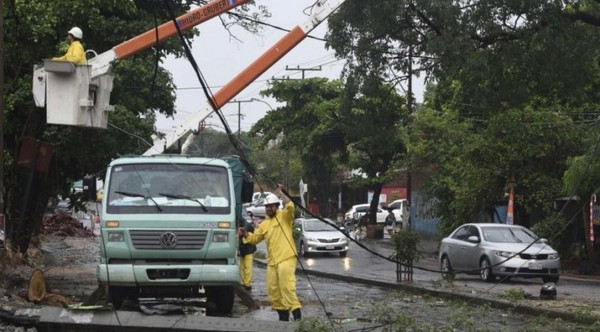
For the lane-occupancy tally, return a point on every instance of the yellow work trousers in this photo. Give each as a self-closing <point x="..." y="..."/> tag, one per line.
<point x="281" y="285"/>
<point x="246" y="269"/>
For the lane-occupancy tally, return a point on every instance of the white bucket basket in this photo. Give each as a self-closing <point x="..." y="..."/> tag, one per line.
<point x="71" y="99"/>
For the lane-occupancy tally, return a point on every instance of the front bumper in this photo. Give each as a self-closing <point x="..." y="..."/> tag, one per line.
<point x="129" y="275"/>
<point x="314" y="247"/>
<point x="527" y="268"/>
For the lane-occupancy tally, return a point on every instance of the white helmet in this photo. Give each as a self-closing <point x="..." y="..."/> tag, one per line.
<point x="76" y="32"/>
<point x="271" y="199"/>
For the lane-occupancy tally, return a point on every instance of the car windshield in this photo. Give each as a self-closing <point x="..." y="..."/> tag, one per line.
<point x="316" y="225"/>
<point x="507" y="235"/>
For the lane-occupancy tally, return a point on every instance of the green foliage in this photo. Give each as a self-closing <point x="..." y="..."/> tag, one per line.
<point x="515" y="294"/>
<point x="333" y="130"/>
<point x="511" y="100"/>
<point x="552" y="228"/>
<point x="406" y="244"/>
<point x="36" y="30"/>
<point x="392" y="318"/>
<point x="311" y="324"/>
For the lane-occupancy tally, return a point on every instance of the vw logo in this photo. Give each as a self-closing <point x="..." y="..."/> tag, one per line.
<point x="168" y="240"/>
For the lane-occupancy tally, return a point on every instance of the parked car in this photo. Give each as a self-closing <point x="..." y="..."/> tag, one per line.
<point x="357" y="211"/>
<point x="498" y="250"/>
<point x="316" y="236"/>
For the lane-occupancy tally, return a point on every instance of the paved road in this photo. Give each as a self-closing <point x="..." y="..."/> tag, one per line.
<point x="574" y="295"/>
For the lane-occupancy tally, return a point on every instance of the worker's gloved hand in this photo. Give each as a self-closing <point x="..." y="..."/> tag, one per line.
<point x="242" y="231"/>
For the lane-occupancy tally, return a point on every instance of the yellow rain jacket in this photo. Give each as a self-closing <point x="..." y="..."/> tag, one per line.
<point x="276" y="231"/>
<point x="75" y="54"/>
<point x="281" y="257"/>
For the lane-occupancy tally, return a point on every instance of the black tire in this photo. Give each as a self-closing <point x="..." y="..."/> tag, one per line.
<point x="553" y="279"/>
<point x="485" y="270"/>
<point x="343" y="253"/>
<point x="446" y="268"/>
<point x="222" y="297"/>
<point x="116" y="295"/>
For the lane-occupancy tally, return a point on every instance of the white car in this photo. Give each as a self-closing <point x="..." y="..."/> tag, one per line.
<point x="316" y="236"/>
<point x="357" y="211"/>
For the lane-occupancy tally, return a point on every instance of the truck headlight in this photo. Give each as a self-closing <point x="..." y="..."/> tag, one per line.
<point x="116" y="237"/>
<point x="220" y="237"/>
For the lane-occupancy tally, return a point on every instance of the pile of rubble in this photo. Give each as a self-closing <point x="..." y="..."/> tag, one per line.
<point x="63" y="224"/>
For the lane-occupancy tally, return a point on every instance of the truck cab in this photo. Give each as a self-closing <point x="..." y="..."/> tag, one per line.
<point x="168" y="229"/>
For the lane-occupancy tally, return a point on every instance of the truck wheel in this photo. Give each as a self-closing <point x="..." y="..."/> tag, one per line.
<point x="116" y="296"/>
<point x="222" y="297"/>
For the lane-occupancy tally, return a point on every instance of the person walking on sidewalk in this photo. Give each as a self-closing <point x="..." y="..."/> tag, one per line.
<point x="390" y="222"/>
<point x="276" y="231"/>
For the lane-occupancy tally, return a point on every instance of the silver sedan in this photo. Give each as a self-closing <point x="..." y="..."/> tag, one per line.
<point x="316" y="236"/>
<point x="492" y="250"/>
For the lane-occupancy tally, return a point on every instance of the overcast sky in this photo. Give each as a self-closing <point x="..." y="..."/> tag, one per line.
<point x="221" y="58"/>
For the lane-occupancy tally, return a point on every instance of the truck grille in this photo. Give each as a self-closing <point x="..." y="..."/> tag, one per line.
<point x="168" y="239"/>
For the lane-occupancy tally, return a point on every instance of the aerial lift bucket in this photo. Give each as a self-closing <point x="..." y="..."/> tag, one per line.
<point x="70" y="95"/>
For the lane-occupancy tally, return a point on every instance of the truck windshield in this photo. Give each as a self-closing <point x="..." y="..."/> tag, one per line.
<point x="173" y="188"/>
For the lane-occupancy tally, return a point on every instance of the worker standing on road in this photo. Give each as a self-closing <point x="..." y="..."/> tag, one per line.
<point x="276" y="231"/>
<point x="75" y="52"/>
<point x="246" y="253"/>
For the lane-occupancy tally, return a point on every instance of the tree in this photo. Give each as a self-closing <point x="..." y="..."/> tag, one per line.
<point x="308" y="125"/>
<point x="515" y="83"/>
<point x="376" y="120"/>
<point x="331" y="135"/>
<point x="34" y="31"/>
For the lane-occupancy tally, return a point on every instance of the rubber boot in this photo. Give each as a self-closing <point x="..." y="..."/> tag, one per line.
<point x="284" y="315"/>
<point x="297" y="314"/>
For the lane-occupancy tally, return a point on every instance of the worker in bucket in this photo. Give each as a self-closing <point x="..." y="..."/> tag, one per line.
<point x="75" y="52"/>
<point x="276" y="231"/>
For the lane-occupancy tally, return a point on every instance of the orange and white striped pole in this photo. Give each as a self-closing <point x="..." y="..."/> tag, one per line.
<point x="510" y="218"/>
<point x="592" y="201"/>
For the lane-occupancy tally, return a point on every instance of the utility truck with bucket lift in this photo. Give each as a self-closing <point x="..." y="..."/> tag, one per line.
<point x="169" y="222"/>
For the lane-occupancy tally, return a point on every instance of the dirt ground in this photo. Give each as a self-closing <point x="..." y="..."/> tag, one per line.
<point x="64" y="253"/>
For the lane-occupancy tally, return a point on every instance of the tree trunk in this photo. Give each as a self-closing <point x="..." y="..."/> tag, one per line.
<point x="374" y="204"/>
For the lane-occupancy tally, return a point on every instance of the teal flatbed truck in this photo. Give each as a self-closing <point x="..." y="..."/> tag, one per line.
<point x="168" y="229"/>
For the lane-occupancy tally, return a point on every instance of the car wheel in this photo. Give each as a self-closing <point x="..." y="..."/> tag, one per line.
<point x="553" y="279"/>
<point x="446" y="268"/>
<point x="343" y="253"/>
<point x="485" y="270"/>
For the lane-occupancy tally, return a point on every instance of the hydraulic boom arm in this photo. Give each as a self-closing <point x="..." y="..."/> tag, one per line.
<point x="322" y="9"/>
<point x="101" y="63"/>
